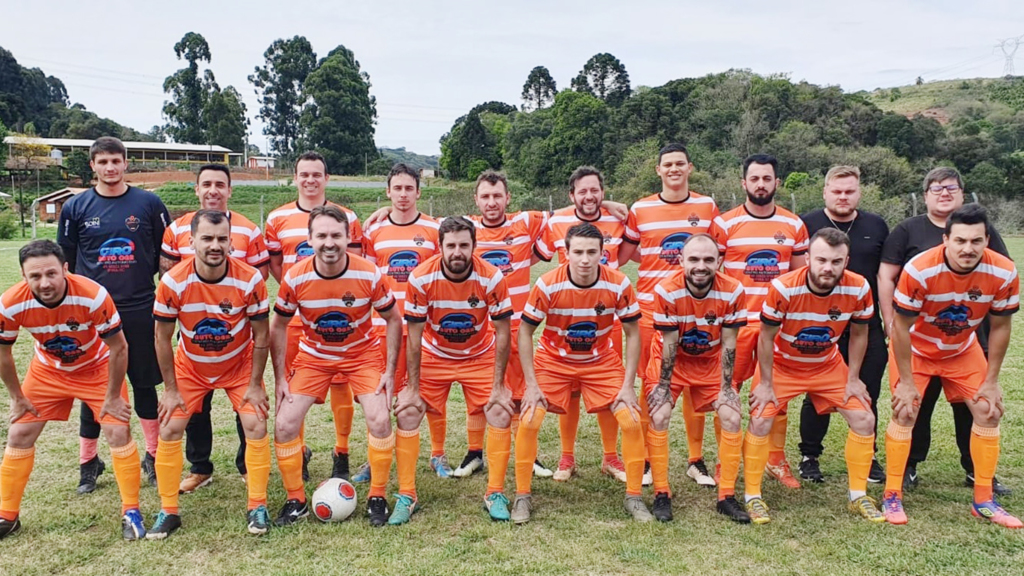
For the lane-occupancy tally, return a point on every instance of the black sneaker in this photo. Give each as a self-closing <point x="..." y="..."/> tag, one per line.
<point x="89" y="473"/>
<point x="473" y="462"/>
<point x="377" y="509"/>
<point x="8" y="527"/>
<point x="164" y="526"/>
<point x="149" y="468"/>
<point x="998" y="488"/>
<point x="307" y="455"/>
<point x="291" y="512"/>
<point x="877" y="473"/>
<point x="662" y="509"/>
<point x="910" y="479"/>
<point x="730" y="507"/>
<point x="809" y="470"/>
<point x="340" y="469"/>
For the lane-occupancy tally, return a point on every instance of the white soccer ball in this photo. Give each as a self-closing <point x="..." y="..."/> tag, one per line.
<point x="334" y="500"/>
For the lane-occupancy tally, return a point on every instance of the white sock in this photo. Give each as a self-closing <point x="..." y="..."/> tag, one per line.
<point x="749" y="497"/>
<point x="854" y="494"/>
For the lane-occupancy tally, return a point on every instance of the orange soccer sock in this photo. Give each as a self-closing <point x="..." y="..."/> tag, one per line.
<point x="568" y="425"/>
<point x="14" y="473"/>
<point x="609" y="433"/>
<point x="407" y="452"/>
<point x="438" y="424"/>
<point x="169" y="460"/>
<point x="476" y="425"/>
<point x="128" y="473"/>
<point x="777" y="439"/>
<point x="257" y="465"/>
<point x="632" y="449"/>
<point x="755" y="449"/>
<point x="289" y="462"/>
<point x="897" y="450"/>
<point x="859" y="452"/>
<point x="729" y="455"/>
<point x="657" y="448"/>
<point x="526" y="449"/>
<point x="694" y="422"/>
<point x="344" y="411"/>
<point x="985" y="453"/>
<point x="499" y="448"/>
<point x="379" y="452"/>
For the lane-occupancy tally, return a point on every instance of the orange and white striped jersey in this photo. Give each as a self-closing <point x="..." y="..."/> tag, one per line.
<point x="949" y="305"/>
<point x="335" y="312"/>
<point x="216" y="334"/>
<point x="246" y="240"/>
<point x="288" y="233"/>
<point x="509" y="247"/>
<point x="456" y="312"/>
<point x="397" y="249"/>
<point x="812" y="323"/>
<point x="69" y="336"/>
<point x="552" y="236"/>
<point x="759" y="250"/>
<point x="699" y="321"/>
<point x="579" y="319"/>
<point x="661" y="228"/>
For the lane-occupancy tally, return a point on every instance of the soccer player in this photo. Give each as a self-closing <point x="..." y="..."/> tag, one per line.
<point x="288" y="244"/>
<point x="656" y="229"/>
<point x="213" y="187"/>
<point x="333" y="294"/>
<point x="867" y="233"/>
<point x="221" y="304"/>
<point x="699" y="310"/>
<point x="452" y="301"/>
<point x="765" y="241"/>
<point x="80" y="353"/>
<point x="578" y="302"/>
<point x="943" y="295"/>
<point x="803" y="316"/>
<point x="111" y="233"/>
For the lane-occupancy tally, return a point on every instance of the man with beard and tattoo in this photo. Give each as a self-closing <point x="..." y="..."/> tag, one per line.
<point x="699" y="310"/>
<point x="803" y="315"/>
<point x="765" y="242"/>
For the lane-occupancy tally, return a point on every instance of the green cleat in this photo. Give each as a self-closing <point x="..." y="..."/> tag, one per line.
<point x="405" y="507"/>
<point x="497" y="506"/>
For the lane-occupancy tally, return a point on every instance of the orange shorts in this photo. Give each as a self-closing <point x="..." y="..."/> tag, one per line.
<point x="746" y="353"/>
<point x="292" y="349"/>
<point x="312" y="376"/>
<point x="961" y="375"/>
<point x="824" y="384"/>
<point x="193" y="388"/>
<point x="617" y="344"/>
<point x="53" y="392"/>
<point x="702" y="377"/>
<point x="475" y="375"/>
<point x="599" y="381"/>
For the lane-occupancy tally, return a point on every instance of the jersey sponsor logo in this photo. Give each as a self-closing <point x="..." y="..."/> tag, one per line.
<point x="696" y="342"/>
<point x="604" y="257"/>
<point x="762" y="266"/>
<point x="334" y="326"/>
<point x="500" y="259"/>
<point x="212" y="335"/>
<point x="457" y="327"/>
<point x="581" y="336"/>
<point x="132" y="223"/>
<point x="953" y="320"/>
<point x="116" y="255"/>
<point x="93" y="222"/>
<point x="814" y="340"/>
<point x="401" y="264"/>
<point x="303" y="251"/>
<point x="672" y="247"/>
<point x="64" y="348"/>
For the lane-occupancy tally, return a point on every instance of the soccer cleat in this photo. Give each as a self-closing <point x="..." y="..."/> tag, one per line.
<point x="258" y="520"/>
<point x="405" y="507"/>
<point x="89" y="473"/>
<point x="540" y="470"/>
<point x="998" y="488"/>
<point x="877" y="474"/>
<point x="8" y="527"/>
<point x="307" y="455"/>
<point x="340" y="468"/>
<point x="758" y="511"/>
<point x="662" y="508"/>
<point x="149" y="468"/>
<point x="732" y="509"/>
<point x="648" y="479"/>
<point x="866" y="507"/>
<point x="566" y="468"/>
<point x="193" y="482"/>
<point x="292" y="511"/>
<point x="810" y="470"/>
<point x="521" y="508"/>
<point x="473" y="461"/>
<point x="783" y="474"/>
<point x="362" y="474"/>
<point x="910" y="479"/>
<point x="612" y="466"/>
<point x="164" y="526"/>
<point x="995" y="514"/>
<point x="497" y="506"/>
<point x="439" y="464"/>
<point x="132" y="527"/>
<point x="699" y="472"/>
<point x="637" y="509"/>
<point x="377" y="510"/>
<point x="892" y="507"/>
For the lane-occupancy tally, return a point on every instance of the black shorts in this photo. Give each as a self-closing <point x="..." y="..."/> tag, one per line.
<point x="143" y="369"/>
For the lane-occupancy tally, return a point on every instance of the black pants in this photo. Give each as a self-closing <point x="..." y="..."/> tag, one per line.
<point x="199" y="440"/>
<point x="814" y="426"/>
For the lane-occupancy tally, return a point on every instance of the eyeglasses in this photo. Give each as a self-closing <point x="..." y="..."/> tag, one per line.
<point x="937" y="189"/>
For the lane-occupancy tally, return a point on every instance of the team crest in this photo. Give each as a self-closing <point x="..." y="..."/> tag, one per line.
<point x="780" y="238"/>
<point x="225" y="306"/>
<point x="132" y="223"/>
<point x="509" y="239"/>
<point x="72" y="324"/>
<point x="349" y="299"/>
<point x="473" y="301"/>
<point x="607" y="237"/>
<point x="974" y="293"/>
<point x="711" y="317"/>
<point x="600" y="308"/>
<point x="834" y="313"/>
<point x="419" y="240"/>
<point x="693" y="219"/>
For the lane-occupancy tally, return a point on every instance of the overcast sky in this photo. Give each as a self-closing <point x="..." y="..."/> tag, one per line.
<point x="429" y="62"/>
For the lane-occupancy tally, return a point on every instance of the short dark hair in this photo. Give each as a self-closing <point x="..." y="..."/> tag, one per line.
<point x="942" y="173"/>
<point x="214" y="217"/>
<point x="761" y="159"/>
<point x="40" y="249"/>
<point x="673" y="147"/>
<point x="403" y="168"/>
<point x="331" y="211"/>
<point x="216" y="168"/>
<point x="583" y="230"/>
<point x="700" y="237"/>
<point x="312" y="155"/>
<point x="108" y="145"/>
<point x="972" y="213"/>
<point x="455" y="224"/>
<point x="582" y="172"/>
<point x="832" y="236"/>
<point x="492" y="177"/>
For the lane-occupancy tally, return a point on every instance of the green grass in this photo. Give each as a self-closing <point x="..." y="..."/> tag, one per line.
<point x="578" y="527"/>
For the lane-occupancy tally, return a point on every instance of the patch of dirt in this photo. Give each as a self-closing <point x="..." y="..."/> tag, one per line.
<point x="939" y="114"/>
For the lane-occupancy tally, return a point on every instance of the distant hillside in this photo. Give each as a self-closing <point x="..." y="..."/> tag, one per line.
<point x="947" y="100"/>
<point x="395" y="155"/>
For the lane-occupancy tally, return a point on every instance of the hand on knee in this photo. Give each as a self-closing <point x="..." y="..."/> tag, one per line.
<point x="534" y="421"/>
<point x="628" y="419"/>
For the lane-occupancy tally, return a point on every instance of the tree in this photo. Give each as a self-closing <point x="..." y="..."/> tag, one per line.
<point x="539" y="90"/>
<point x="605" y="77"/>
<point x="189" y="91"/>
<point x="226" y="123"/>
<point x="468" y="142"/>
<point x="279" y="89"/>
<point x="77" y="164"/>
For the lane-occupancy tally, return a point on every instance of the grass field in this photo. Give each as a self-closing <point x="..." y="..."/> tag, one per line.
<point x="578" y="527"/>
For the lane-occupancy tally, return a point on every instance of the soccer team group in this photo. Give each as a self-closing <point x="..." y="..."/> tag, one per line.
<point x="392" y="312"/>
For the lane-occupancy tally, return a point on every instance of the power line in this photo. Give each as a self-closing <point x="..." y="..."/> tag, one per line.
<point x="1009" y="47"/>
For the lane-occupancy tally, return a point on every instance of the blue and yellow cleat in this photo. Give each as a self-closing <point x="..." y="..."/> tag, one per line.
<point x="405" y="506"/>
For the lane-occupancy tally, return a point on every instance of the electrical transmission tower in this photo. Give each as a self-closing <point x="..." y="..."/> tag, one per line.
<point x="1009" y="47"/>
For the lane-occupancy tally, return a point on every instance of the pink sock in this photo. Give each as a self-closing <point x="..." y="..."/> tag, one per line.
<point x="87" y="449"/>
<point x="151" y="432"/>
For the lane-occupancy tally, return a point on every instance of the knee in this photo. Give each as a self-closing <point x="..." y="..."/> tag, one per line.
<point x="410" y="419"/>
<point x="286" y="428"/>
<point x="863" y="423"/>
<point x="534" y="421"/>
<point x="20" y="437"/>
<point x="760" y="426"/>
<point x="498" y="417"/>
<point x="118" y="436"/>
<point x="730" y="420"/>
<point x="378" y="423"/>
<point x="660" y="418"/>
<point x="253" y="426"/>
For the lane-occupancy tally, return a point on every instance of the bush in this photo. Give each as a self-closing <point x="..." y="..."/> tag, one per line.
<point x="8" y="223"/>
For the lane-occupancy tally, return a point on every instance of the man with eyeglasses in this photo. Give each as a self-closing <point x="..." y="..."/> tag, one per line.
<point x="943" y="194"/>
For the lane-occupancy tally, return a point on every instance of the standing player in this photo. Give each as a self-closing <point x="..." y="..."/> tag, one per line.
<point x="213" y="187"/>
<point x="701" y="311"/>
<point x="765" y="241"/>
<point x="111" y="234"/>
<point x="80" y="353"/>
<point x="221" y="304"/>
<point x="288" y="244"/>
<point x="803" y="316"/>
<point x="578" y="303"/>
<point x="452" y="301"/>
<point x="943" y="295"/>
<point x="333" y="294"/>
